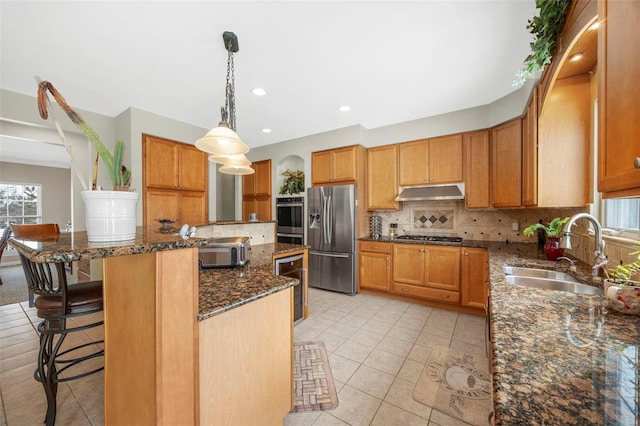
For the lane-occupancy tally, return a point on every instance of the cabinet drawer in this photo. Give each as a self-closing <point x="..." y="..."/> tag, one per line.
<point x="427" y="293"/>
<point x="375" y="247"/>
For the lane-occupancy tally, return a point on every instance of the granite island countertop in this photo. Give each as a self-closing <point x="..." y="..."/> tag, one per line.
<point x="558" y="357"/>
<point x="222" y="289"/>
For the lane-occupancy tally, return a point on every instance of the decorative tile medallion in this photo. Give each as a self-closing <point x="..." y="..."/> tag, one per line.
<point x="425" y="219"/>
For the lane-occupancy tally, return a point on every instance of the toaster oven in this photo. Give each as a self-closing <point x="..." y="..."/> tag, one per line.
<point x="224" y="252"/>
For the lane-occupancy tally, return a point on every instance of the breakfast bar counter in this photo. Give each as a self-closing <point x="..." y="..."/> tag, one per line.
<point x="558" y="358"/>
<point x="174" y="335"/>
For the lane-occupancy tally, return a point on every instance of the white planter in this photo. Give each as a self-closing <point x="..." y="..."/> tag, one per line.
<point x="111" y="215"/>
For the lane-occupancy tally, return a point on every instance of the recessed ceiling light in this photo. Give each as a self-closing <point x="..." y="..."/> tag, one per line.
<point x="576" y="57"/>
<point x="258" y="91"/>
<point x="266" y="130"/>
<point x="594" y="26"/>
<point x="345" y="108"/>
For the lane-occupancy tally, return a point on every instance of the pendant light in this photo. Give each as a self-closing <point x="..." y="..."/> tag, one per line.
<point x="230" y="160"/>
<point x="223" y="140"/>
<point x="236" y="170"/>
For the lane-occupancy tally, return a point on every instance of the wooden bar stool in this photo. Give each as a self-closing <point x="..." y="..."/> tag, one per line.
<point x="56" y="302"/>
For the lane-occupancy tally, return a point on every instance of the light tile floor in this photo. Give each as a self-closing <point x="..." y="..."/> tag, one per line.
<point x="377" y="349"/>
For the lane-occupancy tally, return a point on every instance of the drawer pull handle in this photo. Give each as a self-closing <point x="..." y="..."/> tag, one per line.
<point x="444" y="296"/>
<point x="636" y="162"/>
<point x="406" y="290"/>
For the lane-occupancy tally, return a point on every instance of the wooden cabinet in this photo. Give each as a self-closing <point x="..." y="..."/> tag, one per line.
<point x="474" y="280"/>
<point x="431" y="161"/>
<point x="476" y="171"/>
<point x="506" y="164"/>
<point x="338" y="166"/>
<point x="530" y="152"/>
<point x="618" y="106"/>
<point x="374" y="265"/>
<point x="426" y="271"/>
<point x="256" y="191"/>
<point x="174" y="165"/>
<point x="564" y="134"/>
<point x="382" y="178"/>
<point x="175" y="181"/>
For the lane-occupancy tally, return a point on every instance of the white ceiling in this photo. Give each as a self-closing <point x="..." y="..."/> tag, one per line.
<point x="390" y="61"/>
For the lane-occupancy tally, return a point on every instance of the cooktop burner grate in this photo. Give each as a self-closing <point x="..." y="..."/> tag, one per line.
<point x="432" y="239"/>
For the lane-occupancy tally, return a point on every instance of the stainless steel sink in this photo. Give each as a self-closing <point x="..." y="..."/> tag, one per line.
<point x="553" y="284"/>
<point x="538" y="273"/>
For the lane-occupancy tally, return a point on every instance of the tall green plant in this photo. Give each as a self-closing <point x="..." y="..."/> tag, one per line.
<point x="546" y="27"/>
<point x="119" y="174"/>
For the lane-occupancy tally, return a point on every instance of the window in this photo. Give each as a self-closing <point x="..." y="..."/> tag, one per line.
<point x="20" y="204"/>
<point x="621" y="213"/>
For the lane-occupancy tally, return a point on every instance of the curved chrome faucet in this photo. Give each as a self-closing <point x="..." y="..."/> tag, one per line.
<point x="565" y="242"/>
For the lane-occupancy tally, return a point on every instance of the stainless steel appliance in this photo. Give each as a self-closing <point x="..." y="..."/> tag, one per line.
<point x="331" y="235"/>
<point x="290" y="226"/>
<point x="224" y="252"/>
<point x="293" y="266"/>
<point x="432" y="239"/>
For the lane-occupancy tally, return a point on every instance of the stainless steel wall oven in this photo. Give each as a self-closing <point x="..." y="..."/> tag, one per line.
<point x="290" y="213"/>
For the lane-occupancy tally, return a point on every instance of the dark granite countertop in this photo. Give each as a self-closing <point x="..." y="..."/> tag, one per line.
<point x="220" y="289"/>
<point x="559" y="358"/>
<point x="227" y="288"/>
<point x="69" y="247"/>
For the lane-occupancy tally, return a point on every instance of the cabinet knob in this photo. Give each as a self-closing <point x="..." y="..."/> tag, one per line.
<point x="387" y="259"/>
<point x="468" y="203"/>
<point x="466" y="253"/>
<point x="636" y="162"/>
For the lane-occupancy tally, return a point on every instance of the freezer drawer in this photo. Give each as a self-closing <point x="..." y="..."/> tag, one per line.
<point x="332" y="271"/>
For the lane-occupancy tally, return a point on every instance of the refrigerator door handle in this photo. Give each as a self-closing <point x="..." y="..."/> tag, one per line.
<point x="326" y="254"/>
<point x="329" y="220"/>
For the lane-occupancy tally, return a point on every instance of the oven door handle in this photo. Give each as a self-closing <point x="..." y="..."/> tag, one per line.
<point x="280" y="234"/>
<point x="290" y="205"/>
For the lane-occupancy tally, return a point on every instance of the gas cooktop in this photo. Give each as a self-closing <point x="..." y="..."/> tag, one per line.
<point x="432" y="239"/>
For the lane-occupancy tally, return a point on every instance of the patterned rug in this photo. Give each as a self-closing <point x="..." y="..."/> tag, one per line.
<point x="312" y="380"/>
<point x="457" y="384"/>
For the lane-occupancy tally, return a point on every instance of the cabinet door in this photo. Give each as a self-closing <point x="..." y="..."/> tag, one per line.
<point x="442" y="267"/>
<point x="619" y="109"/>
<point x="382" y="178"/>
<point x="321" y="167"/>
<point x="249" y="205"/>
<point x="192" y="168"/>
<point x="530" y="152"/>
<point x="263" y="207"/>
<point x="408" y="264"/>
<point x="506" y="164"/>
<point x="249" y="184"/>
<point x="413" y="163"/>
<point x="262" y="177"/>
<point x="161" y="204"/>
<point x="193" y="208"/>
<point x="476" y="175"/>
<point x="344" y="165"/>
<point x="445" y="159"/>
<point x="375" y="271"/>
<point x="475" y="277"/>
<point x="161" y="161"/>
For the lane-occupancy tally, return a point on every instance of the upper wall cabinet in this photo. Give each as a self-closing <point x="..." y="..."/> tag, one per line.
<point x="619" y="109"/>
<point x="431" y="161"/>
<point x="256" y="191"/>
<point x="530" y="152"/>
<point x="476" y="170"/>
<point x="382" y="177"/>
<point x="174" y="165"/>
<point x="506" y="164"/>
<point x="340" y="166"/>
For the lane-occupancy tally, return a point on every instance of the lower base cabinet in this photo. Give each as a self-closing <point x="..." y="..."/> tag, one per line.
<point x="450" y="276"/>
<point x="374" y="265"/>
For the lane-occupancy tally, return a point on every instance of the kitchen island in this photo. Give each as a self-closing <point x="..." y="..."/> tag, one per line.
<point x="174" y="347"/>
<point x="558" y="357"/>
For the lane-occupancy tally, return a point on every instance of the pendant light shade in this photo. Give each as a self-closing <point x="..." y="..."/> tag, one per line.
<point x="236" y="170"/>
<point x="230" y="160"/>
<point x="222" y="140"/>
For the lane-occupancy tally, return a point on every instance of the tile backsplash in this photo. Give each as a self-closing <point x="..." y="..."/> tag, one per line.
<point x="450" y="218"/>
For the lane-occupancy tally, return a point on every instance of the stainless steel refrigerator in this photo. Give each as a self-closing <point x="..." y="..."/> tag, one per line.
<point x="331" y="235"/>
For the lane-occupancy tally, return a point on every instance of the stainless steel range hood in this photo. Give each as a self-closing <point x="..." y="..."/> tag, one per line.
<point x="447" y="191"/>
